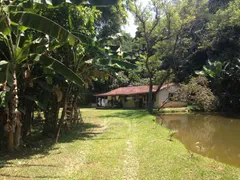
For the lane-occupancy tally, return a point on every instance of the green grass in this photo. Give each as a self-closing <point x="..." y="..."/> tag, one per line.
<point x="174" y="110"/>
<point x="115" y="144"/>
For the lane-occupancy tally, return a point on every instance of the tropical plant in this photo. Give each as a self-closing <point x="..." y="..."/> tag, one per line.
<point x="21" y="49"/>
<point x="17" y="43"/>
<point x="32" y="42"/>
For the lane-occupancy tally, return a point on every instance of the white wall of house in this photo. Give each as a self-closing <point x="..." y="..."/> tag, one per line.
<point x="163" y="95"/>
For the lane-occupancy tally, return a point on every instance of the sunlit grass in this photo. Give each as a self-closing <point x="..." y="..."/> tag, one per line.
<point x="174" y="110"/>
<point x="116" y="144"/>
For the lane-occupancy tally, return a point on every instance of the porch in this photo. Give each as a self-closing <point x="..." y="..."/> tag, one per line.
<point x="136" y="101"/>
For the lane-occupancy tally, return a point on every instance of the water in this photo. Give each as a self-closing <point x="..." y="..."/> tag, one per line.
<point x="214" y="136"/>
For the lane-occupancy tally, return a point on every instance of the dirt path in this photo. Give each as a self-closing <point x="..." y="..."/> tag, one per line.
<point x="131" y="164"/>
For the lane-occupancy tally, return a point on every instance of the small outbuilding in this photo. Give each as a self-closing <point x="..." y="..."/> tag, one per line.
<point x="137" y="97"/>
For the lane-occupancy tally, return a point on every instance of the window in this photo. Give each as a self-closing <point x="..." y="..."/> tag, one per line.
<point x="171" y="97"/>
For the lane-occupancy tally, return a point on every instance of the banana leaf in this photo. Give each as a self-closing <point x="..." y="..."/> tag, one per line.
<point x="44" y="25"/>
<point x="60" y="68"/>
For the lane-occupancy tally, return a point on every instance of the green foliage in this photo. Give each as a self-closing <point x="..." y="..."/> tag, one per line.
<point x="57" y="3"/>
<point x="103" y="3"/>
<point x="42" y="24"/>
<point x="52" y="48"/>
<point x="111" y="20"/>
<point x="219" y="54"/>
<point x="165" y="33"/>
<point x="171" y="134"/>
<point x="228" y="16"/>
<point x="60" y="68"/>
<point x="197" y="93"/>
<point x="213" y="70"/>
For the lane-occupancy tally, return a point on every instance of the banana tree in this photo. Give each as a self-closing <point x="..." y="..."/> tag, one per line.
<point x="13" y="27"/>
<point x="84" y="57"/>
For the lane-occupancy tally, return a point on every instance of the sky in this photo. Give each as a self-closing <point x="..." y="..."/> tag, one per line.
<point x="130" y="27"/>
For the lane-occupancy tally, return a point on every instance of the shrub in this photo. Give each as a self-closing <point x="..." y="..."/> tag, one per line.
<point x="197" y="93"/>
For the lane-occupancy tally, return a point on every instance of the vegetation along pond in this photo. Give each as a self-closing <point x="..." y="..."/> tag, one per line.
<point x="213" y="136"/>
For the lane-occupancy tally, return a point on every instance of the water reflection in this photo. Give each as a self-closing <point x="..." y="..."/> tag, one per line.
<point x="213" y="136"/>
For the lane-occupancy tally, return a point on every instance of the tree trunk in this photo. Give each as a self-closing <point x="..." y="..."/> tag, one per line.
<point x="75" y="111"/>
<point x="9" y="130"/>
<point x="69" y="112"/>
<point x="150" y="101"/>
<point x="61" y="122"/>
<point x="27" y="123"/>
<point x="29" y="110"/>
<point x="18" y="135"/>
<point x="13" y="126"/>
<point x="78" y="115"/>
<point x="3" y="121"/>
<point x="51" y="118"/>
<point x="11" y="141"/>
<point x="16" y="113"/>
<point x="63" y="114"/>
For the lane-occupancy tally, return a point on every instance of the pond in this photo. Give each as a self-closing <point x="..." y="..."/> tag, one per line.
<point x="214" y="136"/>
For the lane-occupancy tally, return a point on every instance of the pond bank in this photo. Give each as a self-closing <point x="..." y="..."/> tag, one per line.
<point x="117" y="144"/>
<point x="182" y="110"/>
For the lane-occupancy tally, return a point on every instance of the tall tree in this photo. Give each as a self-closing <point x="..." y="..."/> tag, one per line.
<point x="154" y="27"/>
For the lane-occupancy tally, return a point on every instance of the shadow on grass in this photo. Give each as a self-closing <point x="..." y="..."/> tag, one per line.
<point x="126" y="114"/>
<point x="80" y="133"/>
<point x="41" y="146"/>
<point x="29" y="177"/>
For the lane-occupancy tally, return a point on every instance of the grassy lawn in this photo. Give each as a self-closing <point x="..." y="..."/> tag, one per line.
<point x="115" y="144"/>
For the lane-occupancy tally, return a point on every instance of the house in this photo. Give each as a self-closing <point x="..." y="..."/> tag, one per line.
<point x="137" y="97"/>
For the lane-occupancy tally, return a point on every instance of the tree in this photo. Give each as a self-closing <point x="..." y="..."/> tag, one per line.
<point x="112" y="18"/>
<point x="18" y="48"/>
<point x="153" y="28"/>
<point x="223" y="51"/>
<point x="27" y="43"/>
<point x="217" y="55"/>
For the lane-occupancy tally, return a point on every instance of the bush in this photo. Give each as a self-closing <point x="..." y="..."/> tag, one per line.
<point x="197" y="93"/>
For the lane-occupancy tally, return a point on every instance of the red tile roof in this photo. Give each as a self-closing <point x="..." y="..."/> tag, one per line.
<point x="131" y="90"/>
